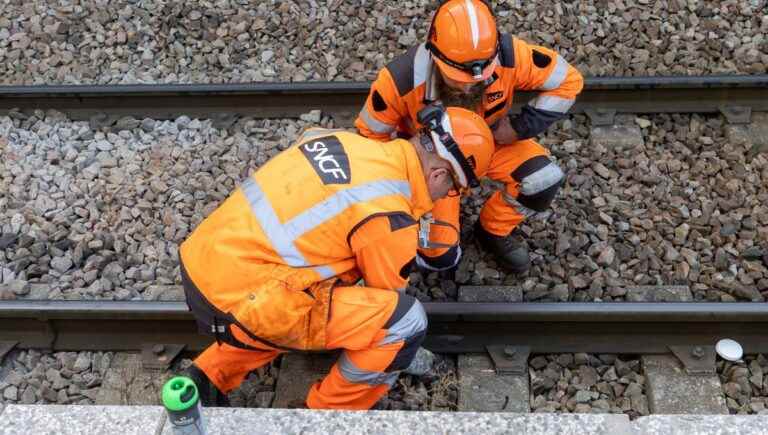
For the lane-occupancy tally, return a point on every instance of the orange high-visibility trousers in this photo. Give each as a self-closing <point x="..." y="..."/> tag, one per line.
<point x="379" y="330"/>
<point x="531" y="182"/>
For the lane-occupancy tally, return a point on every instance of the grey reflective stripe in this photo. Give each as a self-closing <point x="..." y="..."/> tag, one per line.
<point x="356" y="375"/>
<point x="283" y="236"/>
<point x="270" y="224"/>
<point x="551" y="103"/>
<point x="422" y="64"/>
<point x="374" y="124"/>
<point x="342" y="200"/>
<point x="541" y="180"/>
<point x="413" y="322"/>
<point x="511" y="200"/>
<point x="325" y="272"/>
<point x="557" y="76"/>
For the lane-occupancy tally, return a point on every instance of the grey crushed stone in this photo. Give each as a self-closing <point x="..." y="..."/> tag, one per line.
<point x="121" y="41"/>
<point x="119" y="225"/>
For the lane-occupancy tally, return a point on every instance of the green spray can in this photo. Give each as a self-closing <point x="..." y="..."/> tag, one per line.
<point x="182" y="402"/>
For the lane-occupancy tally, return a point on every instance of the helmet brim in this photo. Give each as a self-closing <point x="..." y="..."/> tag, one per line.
<point x="458" y="75"/>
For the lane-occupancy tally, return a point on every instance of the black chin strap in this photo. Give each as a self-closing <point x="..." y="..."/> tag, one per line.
<point x="431" y="118"/>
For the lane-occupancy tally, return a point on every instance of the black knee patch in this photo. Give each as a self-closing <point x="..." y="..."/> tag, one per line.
<point x="379" y="104"/>
<point x="540" y="59"/>
<point x="540" y="201"/>
<point x="540" y="179"/>
<point x="529" y="166"/>
<point x="407" y="353"/>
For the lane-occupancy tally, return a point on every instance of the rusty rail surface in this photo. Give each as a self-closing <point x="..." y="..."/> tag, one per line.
<point x="224" y="103"/>
<point x="455" y="327"/>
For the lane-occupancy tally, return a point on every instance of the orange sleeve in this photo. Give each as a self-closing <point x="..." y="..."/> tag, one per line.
<point x="383" y="109"/>
<point x="541" y="69"/>
<point x="385" y="249"/>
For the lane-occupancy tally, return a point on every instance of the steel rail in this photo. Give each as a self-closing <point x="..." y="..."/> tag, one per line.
<point x="342" y="100"/>
<point x="622" y="328"/>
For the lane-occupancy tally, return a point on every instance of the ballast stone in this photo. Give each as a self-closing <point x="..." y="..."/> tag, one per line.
<point x="659" y="293"/>
<point x="622" y="137"/>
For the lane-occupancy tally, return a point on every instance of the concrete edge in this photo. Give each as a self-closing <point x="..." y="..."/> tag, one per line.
<point x="618" y="424"/>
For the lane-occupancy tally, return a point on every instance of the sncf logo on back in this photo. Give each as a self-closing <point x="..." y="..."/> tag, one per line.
<point x="328" y="159"/>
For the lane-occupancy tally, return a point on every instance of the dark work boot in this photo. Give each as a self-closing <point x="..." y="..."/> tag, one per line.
<point x="209" y="394"/>
<point x="511" y="251"/>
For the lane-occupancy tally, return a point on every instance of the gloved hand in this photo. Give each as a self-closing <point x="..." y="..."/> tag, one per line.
<point x="421" y="363"/>
<point x="503" y="133"/>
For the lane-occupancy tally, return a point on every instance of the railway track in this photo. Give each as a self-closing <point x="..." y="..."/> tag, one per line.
<point x="501" y="349"/>
<point x="733" y="95"/>
<point x="455" y="327"/>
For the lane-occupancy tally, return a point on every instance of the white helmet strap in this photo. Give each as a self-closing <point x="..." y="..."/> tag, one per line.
<point x="433" y="117"/>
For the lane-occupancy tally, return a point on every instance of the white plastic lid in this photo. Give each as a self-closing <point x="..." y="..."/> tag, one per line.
<point x="729" y="349"/>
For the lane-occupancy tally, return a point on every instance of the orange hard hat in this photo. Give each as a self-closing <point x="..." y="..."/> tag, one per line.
<point x="463" y="40"/>
<point x="462" y="138"/>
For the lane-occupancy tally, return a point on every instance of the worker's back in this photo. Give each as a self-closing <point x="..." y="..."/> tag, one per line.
<point x="289" y="222"/>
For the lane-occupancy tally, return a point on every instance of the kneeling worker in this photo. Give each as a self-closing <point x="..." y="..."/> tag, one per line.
<point x="273" y="268"/>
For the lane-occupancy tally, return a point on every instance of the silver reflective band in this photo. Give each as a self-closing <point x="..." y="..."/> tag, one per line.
<point x="356" y="375"/>
<point x="283" y="236"/>
<point x="270" y="224"/>
<point x="424" y="265"/>
<point x="325" y="272"/>
<point x="374" y="124"/>
<point x="541" y="180"/>
<point x="551" y="103"/>
<point x="557" y="76"/>
<point x="473" y="25"/>
<point x="421" y="65"/>
<point x="413" y="322"/>
<point x="340" y="201"/>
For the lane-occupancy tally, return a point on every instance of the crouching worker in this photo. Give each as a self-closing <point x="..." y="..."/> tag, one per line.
<point x="273" y="268"/>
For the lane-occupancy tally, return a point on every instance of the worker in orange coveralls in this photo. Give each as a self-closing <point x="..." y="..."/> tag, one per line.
<point x="466" y="62"/>
<point x="274" y="267"/>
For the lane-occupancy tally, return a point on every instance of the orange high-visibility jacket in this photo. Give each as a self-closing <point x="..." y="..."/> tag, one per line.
<point x="333" y="203"/>
<point x="406" y="84"/>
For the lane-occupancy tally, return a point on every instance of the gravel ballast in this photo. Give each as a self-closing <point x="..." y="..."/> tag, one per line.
<point x="586" y="383"/>
<point x="63" y="378"/>
<point x="744" y="384"/>
<point x="99" y="213"/>
<point x="121" y="42"/>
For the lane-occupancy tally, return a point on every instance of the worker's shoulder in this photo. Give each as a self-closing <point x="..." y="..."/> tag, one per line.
<point x="311" y="133"/>
<point x="406" y="69"/>
<point x="350" y="140"/>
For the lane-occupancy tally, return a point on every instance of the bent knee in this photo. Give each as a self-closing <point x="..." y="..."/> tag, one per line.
<point x="539" y="181"/>
<point x="409" y="325"/>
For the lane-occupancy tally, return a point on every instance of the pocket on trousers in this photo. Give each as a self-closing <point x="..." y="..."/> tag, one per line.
<point x="277" y="313"/>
